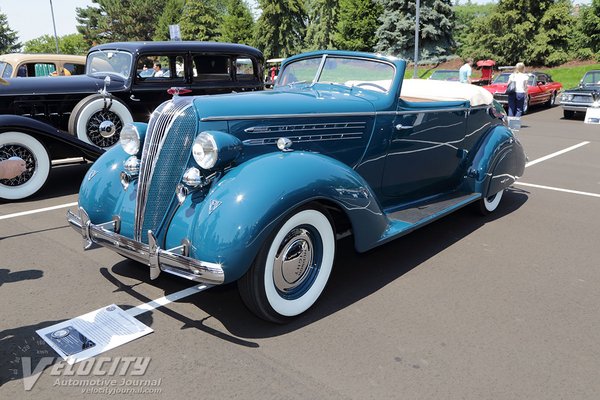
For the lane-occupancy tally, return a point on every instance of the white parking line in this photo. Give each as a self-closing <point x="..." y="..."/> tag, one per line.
<point x="558" y="153"/>
<point x="558" y="189"/>
<point x="39" y="210"/>
<point x="142" y="308"/>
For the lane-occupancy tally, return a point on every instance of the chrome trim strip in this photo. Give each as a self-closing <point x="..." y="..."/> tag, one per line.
<point x="304" y="138"/>
<point x="305" y="127"/>
<point x="151" y="255"/>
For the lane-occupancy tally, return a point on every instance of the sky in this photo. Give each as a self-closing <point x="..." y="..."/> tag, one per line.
<point x="32" y="18"/>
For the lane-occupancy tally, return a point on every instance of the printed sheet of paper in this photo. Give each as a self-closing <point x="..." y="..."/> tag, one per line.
<point x="93" y="333"/>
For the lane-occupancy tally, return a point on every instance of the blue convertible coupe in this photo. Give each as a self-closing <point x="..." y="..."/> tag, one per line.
<point x="255" y="187"/>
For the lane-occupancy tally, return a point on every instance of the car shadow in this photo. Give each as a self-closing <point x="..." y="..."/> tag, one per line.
<point x="348" y="283"/>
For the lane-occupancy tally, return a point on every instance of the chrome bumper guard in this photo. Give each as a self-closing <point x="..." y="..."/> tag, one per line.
<point x="174" y="261"/>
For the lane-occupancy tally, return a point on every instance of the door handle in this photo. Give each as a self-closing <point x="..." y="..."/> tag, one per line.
<point x="401" y="127"/>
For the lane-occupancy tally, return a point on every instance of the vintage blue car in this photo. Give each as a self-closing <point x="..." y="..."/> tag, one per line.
<point x="256" y="187"/>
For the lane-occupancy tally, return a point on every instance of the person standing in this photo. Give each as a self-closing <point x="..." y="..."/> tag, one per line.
<point x="516" y="99"/>
<point x="464" y="73"/>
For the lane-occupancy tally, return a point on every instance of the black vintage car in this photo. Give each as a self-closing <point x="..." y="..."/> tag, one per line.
<point x="585" y="95"/>
<point x="123" y="82"/>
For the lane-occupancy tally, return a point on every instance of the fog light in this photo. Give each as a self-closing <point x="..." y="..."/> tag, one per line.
<point x="193" y="178"/>
<point x="181" y="191"/>
<point x="132" y="166"/>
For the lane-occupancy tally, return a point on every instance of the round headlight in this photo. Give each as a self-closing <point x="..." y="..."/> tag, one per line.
<point x="205" y="150"/>
<point x="130" y="139"/>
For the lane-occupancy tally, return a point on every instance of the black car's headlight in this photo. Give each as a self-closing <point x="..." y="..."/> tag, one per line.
<point x="566" y="97"/>
<point x="214" y="149"/>
<point x="132" y="136"/>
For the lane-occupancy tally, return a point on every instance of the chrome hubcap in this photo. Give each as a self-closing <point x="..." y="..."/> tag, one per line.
<point x="103" y="128"/>
<point x="107" y="129"/>
<point x="294" y="260"/>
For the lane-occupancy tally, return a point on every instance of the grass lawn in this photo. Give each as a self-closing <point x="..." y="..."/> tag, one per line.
<point x="569" y="76"/>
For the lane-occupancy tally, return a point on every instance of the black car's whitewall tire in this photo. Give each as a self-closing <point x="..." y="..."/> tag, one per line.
<point x="91" y="120"/>
<point x="292" y="268"/>
<point x="19" y="144"/>
<point x="489" y="204"/>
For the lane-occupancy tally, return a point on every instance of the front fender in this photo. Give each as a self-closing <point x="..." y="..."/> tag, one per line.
<point x="498" y="163"/>
<point x="49" y="135"/>
<point x="242" y="210"/>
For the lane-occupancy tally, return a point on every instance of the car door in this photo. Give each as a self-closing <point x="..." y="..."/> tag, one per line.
<point x="426" y="152"/>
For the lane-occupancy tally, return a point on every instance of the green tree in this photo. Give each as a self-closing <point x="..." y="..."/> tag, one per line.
<point x="322" y="21"/>
<point x="237" y="23"/>
<point x="357" y="24"/>
<point x="465" y="14"/>
<point x="118" y="20"/>
<point x="200" y="21"/>
<point x="397" y="31"/>
<point x="68" y="44"/>
<point x="171" y="15"/>
<point x="9" y="41"/>
<point x="519" y="30"/>
<point x="586" y="40"/>
<point x="280" y="29"/>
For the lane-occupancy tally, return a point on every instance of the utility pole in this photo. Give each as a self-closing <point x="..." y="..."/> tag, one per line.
<point x="417" y="11"/>
<point x="54" y="25"/>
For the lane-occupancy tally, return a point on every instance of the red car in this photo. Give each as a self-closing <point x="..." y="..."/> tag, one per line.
<point x="541" y="89"/>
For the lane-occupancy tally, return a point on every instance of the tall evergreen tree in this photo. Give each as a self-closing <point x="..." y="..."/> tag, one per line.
<point x="465" y="14"/>
<point x="322" y="22"/>
<point x="117" y="20"/>
<point x="396" y="35"/>
<point x="280" y="29"/>
<point x="519" y="30"/>
<point x="357" y="24"/>
<point x="237" y="23"/>
<point x="171" y="15"/>
<point x="587" y="37"/>
<point x="200" y="21"/>
<point x="9" y="41"/>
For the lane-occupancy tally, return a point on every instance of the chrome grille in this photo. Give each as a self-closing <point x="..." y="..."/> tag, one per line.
<point x="582" y="98"/>
<point x="169" y="138"/>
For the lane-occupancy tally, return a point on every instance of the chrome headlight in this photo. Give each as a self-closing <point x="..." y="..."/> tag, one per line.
<point x="130" y="139"/>
<point x="566" y="97"/>
<point x="205" y="150"/>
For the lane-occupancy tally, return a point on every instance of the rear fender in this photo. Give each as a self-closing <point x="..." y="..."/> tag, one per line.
<point x="498" y="163"/>
<point x="243" y="208"/>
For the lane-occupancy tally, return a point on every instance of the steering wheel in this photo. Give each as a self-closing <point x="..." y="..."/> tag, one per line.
<point x="373" y="85"/>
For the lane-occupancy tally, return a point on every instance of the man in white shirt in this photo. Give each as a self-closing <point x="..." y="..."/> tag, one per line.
<point x="158" y="72"/>
<point x="464" y="73"/>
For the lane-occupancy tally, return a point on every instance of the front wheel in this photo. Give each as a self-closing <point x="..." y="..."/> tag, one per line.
<point x="568" y="114"/>
<point x="292" y="268"/>
<point x="489" y="204"/>
<point x="37" y="160"/>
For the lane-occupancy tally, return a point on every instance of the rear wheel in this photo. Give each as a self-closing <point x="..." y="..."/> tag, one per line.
<point x="19" y="144"/>
<point x="552" y="100"/>
<point x="489" y="204"/>
<point x="292" y="268"/>
<point x="526" y="105"/>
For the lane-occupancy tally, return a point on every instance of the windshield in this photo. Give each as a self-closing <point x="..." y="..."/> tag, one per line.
<point x="5" y="69"/>
<point x="351" y="72"/>
<point x="591" y="78"/>
<point x="103" y="62"/>
<point x="502" y="78"/>
<point x="444" y="75"/>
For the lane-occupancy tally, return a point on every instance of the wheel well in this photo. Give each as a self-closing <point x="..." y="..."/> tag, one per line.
<point x="341" y="222"/>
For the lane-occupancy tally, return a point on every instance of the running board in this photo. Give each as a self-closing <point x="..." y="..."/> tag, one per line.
<point x="407" y="220"/>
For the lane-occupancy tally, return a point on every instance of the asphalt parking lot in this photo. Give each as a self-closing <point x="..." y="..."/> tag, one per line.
<point x="469" y="307"/>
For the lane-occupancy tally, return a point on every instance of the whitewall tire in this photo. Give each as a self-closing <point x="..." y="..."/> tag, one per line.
<point x="95" y="123"/>
<point x="292" y="268"/>
<point x="489" y="204"/>
<point x="19" y="144"/>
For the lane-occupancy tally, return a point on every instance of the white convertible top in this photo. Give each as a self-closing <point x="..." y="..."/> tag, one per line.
<point x="434" y="90"/>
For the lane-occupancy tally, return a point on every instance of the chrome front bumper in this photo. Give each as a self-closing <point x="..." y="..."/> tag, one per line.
<point x="174" y="261"/>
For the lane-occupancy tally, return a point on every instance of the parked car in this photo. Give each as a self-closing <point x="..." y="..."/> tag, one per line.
<point x="541" y="89"/>
<point x="95" y="111"/>
<point x="585" y="95"/>
<point x="272" y="67"/>
<point x="82" y="115"/>
<point x="445" y="75"/>
<point x="31" y="65"/>
<point x="254" y="187"/>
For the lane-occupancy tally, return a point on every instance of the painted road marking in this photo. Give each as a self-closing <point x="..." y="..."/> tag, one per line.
<point x="151" y="305"/>
<point x="558" y="153"/>
<point x="558" y="189"/>
<point x="39" y="210"/>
